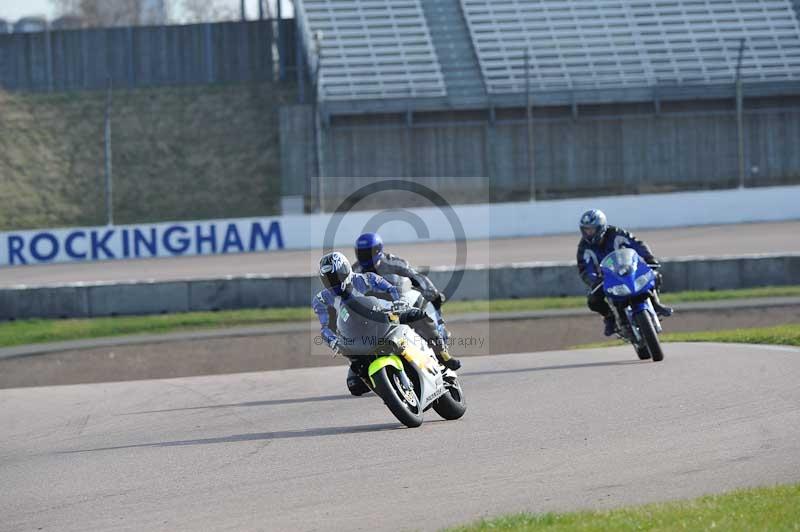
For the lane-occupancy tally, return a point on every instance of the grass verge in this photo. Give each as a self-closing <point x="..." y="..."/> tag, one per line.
<point x="778" y="335"/>
<point x="772" y="508"/>
<point x="38" y="331"/>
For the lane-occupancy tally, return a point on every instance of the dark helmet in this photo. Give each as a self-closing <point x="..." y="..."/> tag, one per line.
<point x="593" y="226"/>
<point x="369" y="250"/>
<point x="335" y="272"/>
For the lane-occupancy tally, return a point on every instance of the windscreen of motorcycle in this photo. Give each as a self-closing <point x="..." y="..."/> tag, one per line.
<point x="362" y="325"/>
<point x="621" y="262"/>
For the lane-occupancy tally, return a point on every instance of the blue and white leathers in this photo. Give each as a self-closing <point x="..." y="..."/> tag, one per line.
<point x="326" y="303"/>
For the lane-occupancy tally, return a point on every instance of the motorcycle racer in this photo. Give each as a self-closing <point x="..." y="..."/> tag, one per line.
<point x="340" y="283"/>
<point x="598" y="239"/>
<point x="372" y="258"/>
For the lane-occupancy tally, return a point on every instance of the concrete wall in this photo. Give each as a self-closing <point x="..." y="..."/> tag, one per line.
<point x="532" y="280"/>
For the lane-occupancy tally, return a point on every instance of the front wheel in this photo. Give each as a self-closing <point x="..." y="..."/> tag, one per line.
<point x="398" y="395"/>
<point x="452" y="404"/>
<point x="649" y="335"/>
<point x="641" y="351"/>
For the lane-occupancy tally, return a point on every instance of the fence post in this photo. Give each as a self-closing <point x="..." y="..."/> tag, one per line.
<point x="318" y="124"/>
<point x="740" y="113"/>
<point x="131" y="60"/>
<point x="301" y="67"/>
<point x="529" y="124"/>
<point x="109" y="181"/>
<point x="48" y="51"/>
<point x="209" y="53"/>
<point x="281" y="46"/>
<point x="85" y="56"/>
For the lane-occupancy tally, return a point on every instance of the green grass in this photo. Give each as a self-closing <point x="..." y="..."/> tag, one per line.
<point x="773" y="508"/>
<point x="778" y="335"/>
<point x="549" y="303"/>
<point x="38" y="331"/>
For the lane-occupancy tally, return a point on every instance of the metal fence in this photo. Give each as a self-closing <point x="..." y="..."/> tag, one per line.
<point x="147" y="56"/>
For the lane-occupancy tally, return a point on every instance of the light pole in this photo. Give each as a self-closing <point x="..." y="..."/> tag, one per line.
<point x="529" y="124"/>
<point x="107" y="140"/>
<point x="318" y="122"/>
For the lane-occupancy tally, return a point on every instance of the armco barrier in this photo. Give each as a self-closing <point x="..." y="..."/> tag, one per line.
<point x="513" y="281"/>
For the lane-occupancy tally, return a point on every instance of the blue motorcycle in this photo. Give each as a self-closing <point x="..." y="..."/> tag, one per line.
<point x="628" y="283"/>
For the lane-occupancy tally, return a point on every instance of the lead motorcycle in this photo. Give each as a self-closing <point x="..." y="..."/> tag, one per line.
<point x="628" y="282"/>
<point x="402" y="368"/>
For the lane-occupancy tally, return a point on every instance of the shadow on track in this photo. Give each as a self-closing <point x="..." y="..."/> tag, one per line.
<point x="551" y="368"/>
<point x="258" y="436"/>
<point x="271" y="402"/>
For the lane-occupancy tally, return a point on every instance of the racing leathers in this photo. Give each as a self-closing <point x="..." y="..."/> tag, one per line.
<point x="327" y="304"/>
<point x="392" y="264"/>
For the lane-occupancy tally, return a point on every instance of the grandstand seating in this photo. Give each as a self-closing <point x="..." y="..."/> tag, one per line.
<point x="372" y="48"/>
<point x="594" y="44"/>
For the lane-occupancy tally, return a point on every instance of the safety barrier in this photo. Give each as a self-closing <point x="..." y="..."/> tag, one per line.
<point x="82" y="300"/>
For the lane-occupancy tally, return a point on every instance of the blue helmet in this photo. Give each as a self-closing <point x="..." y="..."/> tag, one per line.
<point x="369" y="250"/>
<point x="593" y="226"/>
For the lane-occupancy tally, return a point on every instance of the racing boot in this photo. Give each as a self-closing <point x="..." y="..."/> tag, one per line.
<point x="661" y="310"/>
<point x="448" y="361"/>
<point x="355" y="383"/>
<point x="610" y="325"/>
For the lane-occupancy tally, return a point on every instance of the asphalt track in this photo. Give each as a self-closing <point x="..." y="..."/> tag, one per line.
<point x="779" y="237"/>
<point x="286" y="450"/>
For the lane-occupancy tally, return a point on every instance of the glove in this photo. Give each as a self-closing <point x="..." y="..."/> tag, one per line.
<point x="654" y="264"/>
<point x="334" y="345"/>
<point x="438" y="299"/>
<point x="411" y="315"/>
<point x="399" y="306"/>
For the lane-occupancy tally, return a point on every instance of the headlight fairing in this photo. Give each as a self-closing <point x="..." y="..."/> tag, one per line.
<point x="619" y="290"/>
<point x="642" y="280"/>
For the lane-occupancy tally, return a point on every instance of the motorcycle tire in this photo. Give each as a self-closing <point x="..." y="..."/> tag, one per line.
<point x="649" y="335"/>
<point x="642" y="352"/>
<point x="453" y="404"/>
<point x="405" y="407"/>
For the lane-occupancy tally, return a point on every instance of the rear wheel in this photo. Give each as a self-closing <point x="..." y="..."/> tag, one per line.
<point x="452" y="404"/>
<point x="398" y="395"/>
<point x="649" y="335"/>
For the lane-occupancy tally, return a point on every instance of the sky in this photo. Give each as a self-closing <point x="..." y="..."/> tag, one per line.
<point x="12" y="10"/>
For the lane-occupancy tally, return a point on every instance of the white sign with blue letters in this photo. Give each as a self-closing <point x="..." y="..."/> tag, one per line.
<point x="140" y="241"/>
<point x="479" y="221"/>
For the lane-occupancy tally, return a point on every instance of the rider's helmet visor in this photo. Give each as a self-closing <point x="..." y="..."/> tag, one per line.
<point x="588" y="231"/>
